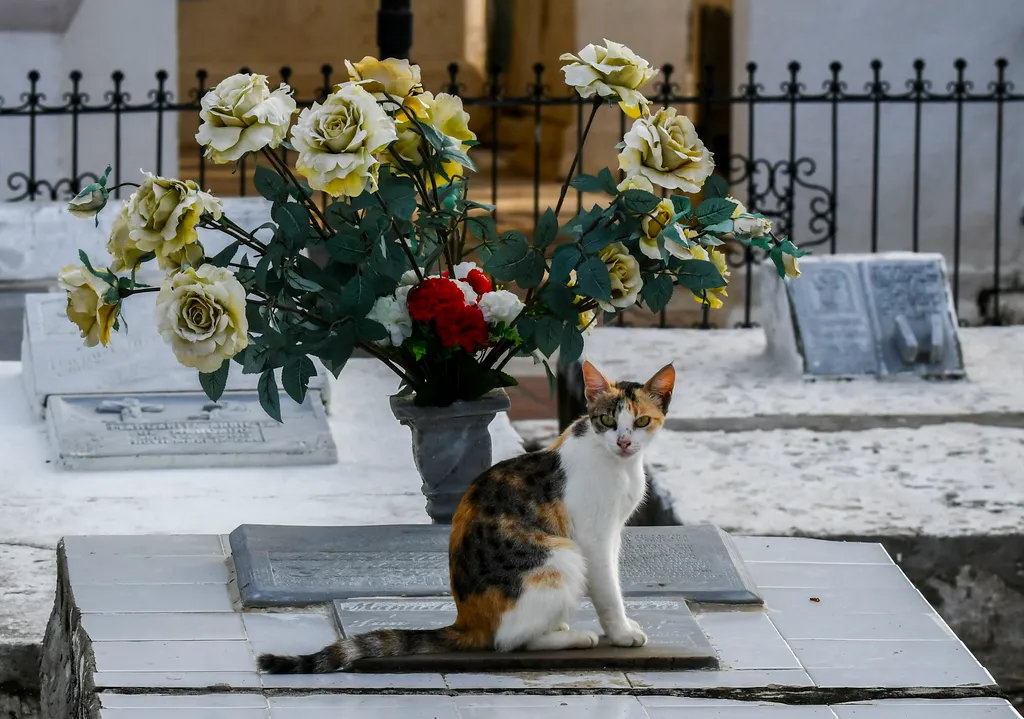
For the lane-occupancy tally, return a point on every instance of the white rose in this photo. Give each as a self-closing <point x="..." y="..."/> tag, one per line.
<point x="242" y="115"/>
<point x="610" y="71"/>
<point x="393" y="314"/>
<point x="338" y="141"/>
<point x="652" y="224"/>
<point x="392" y="77"/>
<point x="88" y="202"/>
<point x="714" y="301"/>
<point x="624" y="272"/>
<point x="665" y="149"/>
<point x="87" y="307"/>
<point x="500" y="306"/>
<point x="163" y="214"/>
<point x="678" y="249"/>
<point x="121" y="246"/>
<point x="445" y="114"/>
<point x="409" y="277"/>
<point x="791" y="265"/>
<point x="201" y="314"/>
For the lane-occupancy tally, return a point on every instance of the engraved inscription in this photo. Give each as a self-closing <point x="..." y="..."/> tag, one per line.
<point x="361" y="571"/>
<point x="189" y="432"/>
<point x="912" y="289"/>
<point x="665" y="559"/>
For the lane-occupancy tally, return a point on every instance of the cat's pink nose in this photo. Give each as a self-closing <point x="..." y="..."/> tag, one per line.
<point x="624" y="443"/>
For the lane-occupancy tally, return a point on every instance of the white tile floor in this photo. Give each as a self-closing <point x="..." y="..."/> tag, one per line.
<point x="868" y="628"/>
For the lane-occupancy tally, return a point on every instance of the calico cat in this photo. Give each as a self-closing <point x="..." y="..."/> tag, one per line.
<point x="531" y="536"/>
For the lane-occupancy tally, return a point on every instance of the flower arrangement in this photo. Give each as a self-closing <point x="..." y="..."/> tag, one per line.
<point x="418" y="274"/>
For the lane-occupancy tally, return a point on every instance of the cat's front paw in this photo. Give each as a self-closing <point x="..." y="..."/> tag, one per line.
<point x="628" y="635"/>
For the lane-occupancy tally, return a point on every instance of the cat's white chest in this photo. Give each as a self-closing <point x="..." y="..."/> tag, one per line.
<point x="600" y="491"/>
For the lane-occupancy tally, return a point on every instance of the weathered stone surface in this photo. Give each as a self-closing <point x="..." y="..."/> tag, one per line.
<point x="675" y="641"/>
<point x="285" y="566"/>
<point x="853" y="315"/>
<point x="185" y="429"/>
<point x="54" y="361"/>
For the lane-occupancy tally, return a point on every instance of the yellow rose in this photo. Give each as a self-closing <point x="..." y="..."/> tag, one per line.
<point x="189" y="255"/>
<point x="678" y="249"/>
<point x="445" y="114"/>
<point x="86" y="305"/>
<point x="747" y="225"/>
<point x="697" y="252"/>
<point x="201" y="314"/>
<point x="88" y="202"/>
<point x="338" y="141"/>
<point x="610" y="71"/>
<point x="121" y="246"/>
<point x="163" y="214"/>
<point x="624" y="272"/>
<point x="791" y="265"/>
<point x="652" y="224"/>
<point x="398" y="78"/>
<point x="665" y="149"/>
<point x="587" y="320"/>
<point x="636" y="182"/>
<point x="242" y="115"/>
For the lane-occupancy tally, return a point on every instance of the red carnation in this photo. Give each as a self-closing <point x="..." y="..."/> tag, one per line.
<point x="434" y="298"/>
<point x="479" y="282"/>
<point x="462" y="327"/>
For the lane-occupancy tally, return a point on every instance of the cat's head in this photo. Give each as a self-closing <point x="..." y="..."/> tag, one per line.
<point x="625" y="416"/>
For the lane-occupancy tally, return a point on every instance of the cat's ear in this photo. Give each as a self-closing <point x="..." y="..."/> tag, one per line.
<point x="594" y="382"/>
<point x="661" y="385"/>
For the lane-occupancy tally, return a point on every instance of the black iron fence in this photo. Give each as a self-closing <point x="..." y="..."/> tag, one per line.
<point x="776" y="176"/>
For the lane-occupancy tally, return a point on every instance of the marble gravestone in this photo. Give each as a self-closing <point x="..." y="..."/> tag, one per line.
<point x="132" y="406"/>
<point x="883" y="315"/>
<point x="397" y="576"/>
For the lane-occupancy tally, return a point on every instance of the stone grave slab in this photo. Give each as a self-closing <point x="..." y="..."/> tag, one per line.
<point x="55" y="362"/>
<point x="293" y="566"/>
<point x="675" y="640"/>
<point x="883" y="315"/>
<point x="185" y="429"/>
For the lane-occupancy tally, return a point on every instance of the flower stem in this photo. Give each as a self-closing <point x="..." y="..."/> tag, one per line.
<point x="282" y="168"/>
<point x="576" y="157"/>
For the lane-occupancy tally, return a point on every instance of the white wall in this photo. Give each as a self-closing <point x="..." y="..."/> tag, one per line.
<point x="137" y="37"/>
<point x="817" y="32"/>
<point x="20" y="53"/>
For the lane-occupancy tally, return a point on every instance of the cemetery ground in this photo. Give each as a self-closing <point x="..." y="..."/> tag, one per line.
<point x="931" y="470"/>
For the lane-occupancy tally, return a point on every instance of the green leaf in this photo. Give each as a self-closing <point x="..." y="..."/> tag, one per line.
<point x="111" y="296"/>
<point x="530" y="271"/>
<point x="572" y="344"/>
<point x="222" y="258"/>
<point x="263" y="272"/>
<point x="357" y="297"/>
<point x="547" y="334"/>
<point x="341" y="215"/>
<point x="336" y="350"/>
<point x="592" y="279"/>
<point x="696" y="275"/>
<point x="88" y="265"/>
<point x="301" y="283"/>
<point x="608" y="183"/>
<point x="300" y="193"/>
<point x="552" y="381"/>
<point x="295" y="376"/>
<point x="482" y="226"/>
<point x="369" y="330"/>
<point x="417" y="347"/>
<point x="763" y="242"/>
<point x="559" y="299"/>
<point x="270" y="400"/>
<point x="525" y="325"/>
<point x="547" y="230"/>
<point x="776" y="255"/>
<point x="724" y="227"/>
<point x="656" y="292"/>
<point x="598" y="238"/>
<point x="586" y="183"/>
<point x="293" y="221"/>
<point x="512" y="251"/>
<point x="716" y="186"/>
<point x="714" y="210"/>
<point x="457" y="155"/>
<point x="564" y="260"/>
<point x="790" y="249"/>
<point x="682" y="205"/>
<point x="640" y="200"/>
<point x="349" y="247"/>
<point x="269" y="184"/>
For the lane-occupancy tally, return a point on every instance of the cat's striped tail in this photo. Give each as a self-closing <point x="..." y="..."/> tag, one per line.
<point x="380" y="643"/>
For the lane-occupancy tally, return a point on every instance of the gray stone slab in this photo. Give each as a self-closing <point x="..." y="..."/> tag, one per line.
<point x="927" y="709"/>
<point x="55" y="362"/>
<point x="162" y="626"/>
<point x="174" y="656"/>
<point x="492" y="706"/>
<point x="333" y="706"/>
<point x="289" y="566"/>
<point x="675" y="639"/>
<point x="185" y="429"/>
<point x="723" y="679"/>
<point x="887" y="314"/>
<point x="699" y="708"/>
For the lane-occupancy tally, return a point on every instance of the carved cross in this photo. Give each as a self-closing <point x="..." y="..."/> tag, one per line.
<point x="128" y="408"/>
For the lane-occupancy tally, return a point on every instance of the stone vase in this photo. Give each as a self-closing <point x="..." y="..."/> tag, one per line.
<point x="450" y="445"/>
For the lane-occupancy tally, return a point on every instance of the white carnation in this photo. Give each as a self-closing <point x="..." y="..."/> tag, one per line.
<point x="500" y="306"/>
<point x="468" y="291"/>
<point x="463" y="269"/>
<point x="393" y="314"/>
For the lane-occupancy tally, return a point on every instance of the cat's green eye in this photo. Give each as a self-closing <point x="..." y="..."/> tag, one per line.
<point x="642" y="421"/>
<point x="607" y="420"/>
